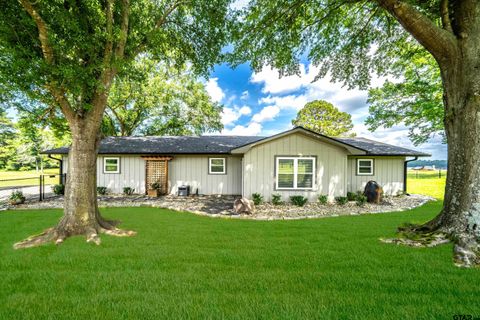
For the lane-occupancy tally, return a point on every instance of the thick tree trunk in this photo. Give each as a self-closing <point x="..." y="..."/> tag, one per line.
<point x="81" y="214"/>
<point x="460" y="216"/>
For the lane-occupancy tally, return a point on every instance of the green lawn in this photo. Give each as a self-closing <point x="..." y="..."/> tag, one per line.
<point x="185" y="266"/>
<point x="30" y="178"/>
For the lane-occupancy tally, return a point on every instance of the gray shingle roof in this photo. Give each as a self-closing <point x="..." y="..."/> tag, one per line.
<point x="168" y="145"/>
<point x="378" y="148"/>
<point x="221" y="145"/>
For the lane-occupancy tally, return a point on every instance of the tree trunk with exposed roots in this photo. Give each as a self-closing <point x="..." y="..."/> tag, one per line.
<point x="81" y="214"/>
<point x="459" y="220"/>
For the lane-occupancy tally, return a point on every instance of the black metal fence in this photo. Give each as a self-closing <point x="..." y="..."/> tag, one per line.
<point x="38" y="187"/>
<point x="427" y="174"/>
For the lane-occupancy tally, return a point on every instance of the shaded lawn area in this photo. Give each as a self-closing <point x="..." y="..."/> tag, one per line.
<point x="185" y="266"/>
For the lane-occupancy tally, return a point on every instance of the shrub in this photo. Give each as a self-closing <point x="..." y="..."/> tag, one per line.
<point x="341" y="200"/>
<point x="128" y="191"/>
<point x="298" y="200"/>
<point x="323" y="199"/>
<point x="59" y="189"/>
<point x="155" y="186"/>
<point x="17" y="197"/>
<point x="277" y="199"/>
<point x="103" y="190"/>
<point x="257" y="198"/>
<point x="361" y="200"/>
<point x="351" y="196"/>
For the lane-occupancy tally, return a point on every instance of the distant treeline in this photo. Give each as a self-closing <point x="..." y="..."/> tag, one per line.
<point x="439" y="164"/>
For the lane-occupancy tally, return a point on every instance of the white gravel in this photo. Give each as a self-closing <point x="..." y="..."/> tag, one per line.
<point x="221" y="206"/>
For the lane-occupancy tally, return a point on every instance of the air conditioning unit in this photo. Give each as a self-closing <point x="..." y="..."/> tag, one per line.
<point x="183" y="191"/>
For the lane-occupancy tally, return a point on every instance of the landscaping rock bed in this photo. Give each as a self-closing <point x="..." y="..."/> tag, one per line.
<point x="222" y="206"/>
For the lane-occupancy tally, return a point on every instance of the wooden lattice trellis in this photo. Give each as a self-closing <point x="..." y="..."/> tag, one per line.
<point x="157" y="172"/>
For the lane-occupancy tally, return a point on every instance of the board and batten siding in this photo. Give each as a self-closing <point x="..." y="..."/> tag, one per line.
<point x="387" y="171"/>
<point x="132" y="174"/>
<point x="192" y="170"/>
<point x="259" y="167"/>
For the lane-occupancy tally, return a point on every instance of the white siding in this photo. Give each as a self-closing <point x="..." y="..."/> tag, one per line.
<point x="259" y="167"/>
<point x="132" y="174"/>
<point x="192" y="170"/>
<point x="388" y="172"/>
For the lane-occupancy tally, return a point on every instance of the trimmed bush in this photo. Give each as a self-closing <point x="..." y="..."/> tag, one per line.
<point x="361" y="200"/>
<point x="298" y="200"/>
<point x="277" y="199"/>
<point x="128" y="191"/>
<point x="257" y="198"/>
<point x="341" y="200"/>
<point x="59" y="189"/>
<point x="102" y="191"/>
<point x="323" y="199"/>
<point x="351" y="196"/>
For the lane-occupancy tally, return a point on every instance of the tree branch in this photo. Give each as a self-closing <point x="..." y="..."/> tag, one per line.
<point x="439" y="42"/>
<point x="49" y="57"/>
<point x="120" y="49"/>
<point x="444" y="12"/>
<point x="42" y="30"/>
<point x="160" y="22"/>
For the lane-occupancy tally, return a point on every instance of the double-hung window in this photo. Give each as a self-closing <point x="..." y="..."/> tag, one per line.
<point x="364" y="167"/>
<point x="111" y="165"/>
<point x="295" y="173"/>
<point x="216" y="166"/>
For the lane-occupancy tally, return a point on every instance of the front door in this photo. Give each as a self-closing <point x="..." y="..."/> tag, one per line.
<point x="157" y="172"/>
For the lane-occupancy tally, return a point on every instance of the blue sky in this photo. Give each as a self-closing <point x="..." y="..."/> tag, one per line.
<point x="264" y="103"/>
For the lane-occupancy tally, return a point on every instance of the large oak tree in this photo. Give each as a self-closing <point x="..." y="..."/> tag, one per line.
<point x="352" y="38"/>
<point x="67" y="53"/>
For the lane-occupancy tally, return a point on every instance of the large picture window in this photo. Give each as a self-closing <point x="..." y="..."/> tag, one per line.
<point x="295" y="173"/>
<point x="216" y="166"/>
<point x="365" y="167"/>
<point x="111" y="165"/>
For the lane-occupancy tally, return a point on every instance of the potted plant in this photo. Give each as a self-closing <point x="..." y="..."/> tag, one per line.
<point x="16" y="197"/>
<point x="154" y="190"/>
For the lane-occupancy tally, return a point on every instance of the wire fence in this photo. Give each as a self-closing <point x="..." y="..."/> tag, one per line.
<point x="38" y="187"/>
<point x="427" y="174"/>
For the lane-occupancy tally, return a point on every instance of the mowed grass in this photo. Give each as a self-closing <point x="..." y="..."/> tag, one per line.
<point x="27" y="178"/>
<point x="427" y="182"/>
<point x="185" y="266"/>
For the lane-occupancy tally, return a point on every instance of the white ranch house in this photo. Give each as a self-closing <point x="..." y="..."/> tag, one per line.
<point x="294" y="162"/>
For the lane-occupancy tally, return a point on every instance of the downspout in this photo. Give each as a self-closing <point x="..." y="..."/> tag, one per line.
<point x="405" y="174"/>
<point x="60" y="180"/>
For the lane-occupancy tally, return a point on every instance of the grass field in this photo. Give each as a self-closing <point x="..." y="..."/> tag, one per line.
<point x="30" y="178"/>
<point x="427" y="182"/>
<point x="185" y="266"/>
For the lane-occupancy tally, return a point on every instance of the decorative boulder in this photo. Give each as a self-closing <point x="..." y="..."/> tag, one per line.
<point x="373" y="191"/>
<point x="243" y="205"/>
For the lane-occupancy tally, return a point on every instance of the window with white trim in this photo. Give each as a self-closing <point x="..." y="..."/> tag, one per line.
<point x="295" y="173"/>
<point x="111" y="165"/>
<point x="365" y="167"/>
<point x="216" y="166"/>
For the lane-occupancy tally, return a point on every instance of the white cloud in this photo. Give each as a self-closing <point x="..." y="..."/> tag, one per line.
<point x="268" y="113"/>
<point x="252" y="129"/>
<point x="245" y="110"/>
<point x="214" y="90"/>
<point x="230" y="115"/>
<point x="273" y="83"/>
